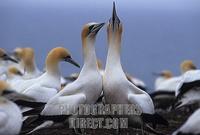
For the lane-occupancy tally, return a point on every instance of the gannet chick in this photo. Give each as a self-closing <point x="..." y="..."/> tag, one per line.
<point x="117" y="89"/>
<point x="191" y="126"/>
<point x="3" y="63"/>
<point x="10" y="114"/>
<point x="87" y="88"/>
<point x="48" y="84"/>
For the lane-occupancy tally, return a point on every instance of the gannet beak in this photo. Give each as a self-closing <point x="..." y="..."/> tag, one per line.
<point x="97" y="27"/>
<point x="6" y="57"/>
<point x="157" y="74"/>
<point x="114" y="20"/>
<point x="70" y="60"/>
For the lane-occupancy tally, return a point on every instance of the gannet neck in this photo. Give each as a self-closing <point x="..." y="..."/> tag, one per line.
<point x="52" y="65"/>
<point x="89" y="55"/>
<point x="113" y="57"/>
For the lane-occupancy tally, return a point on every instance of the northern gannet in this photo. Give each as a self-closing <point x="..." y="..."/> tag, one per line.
<point x="116" y="87"/>
<point x="27" y="63"/>
<point x="172" y="83"/>
<point x="188" y="91"/>
<point x="191" y="126"/>
<point x="13" y="75"/>
<point x="48" y="84"/>
<point x="87" y="88"/>
<point x="10" y="114"/>
<point x="163" y="76"/>
<point x="3" y="63"/>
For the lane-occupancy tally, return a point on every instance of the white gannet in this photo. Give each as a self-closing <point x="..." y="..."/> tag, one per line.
<point x="163" y="76"/>
<point x="3" y="63"/>
<point x="87" y="88"/>
<point x="10" y="114"/>
<point x="27" y="64"/>
<point x="48" y="84"/>
<point x="13" y="75"/>
<point x="188" y="91"/>
<point x="191" y="126"/>
<point x="116" y="87"/>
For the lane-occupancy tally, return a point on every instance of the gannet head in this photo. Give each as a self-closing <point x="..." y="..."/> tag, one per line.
<point x="90" y="31"/>
<point x="187" y="65"/>
<point x="165" y="74"/>
<point x="18" y="53"/>
<point x="14" y="71"/>
<point x="3" y="86"/>
<point x="5" y="56"/>
<point x="59" y="54"/>
<point x="114" y="27"/>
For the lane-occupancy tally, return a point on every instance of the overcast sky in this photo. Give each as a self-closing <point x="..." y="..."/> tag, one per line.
<point x="158" y="34"/>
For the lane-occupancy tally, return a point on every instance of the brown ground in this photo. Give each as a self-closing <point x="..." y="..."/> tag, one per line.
<point x="175" y="118"/>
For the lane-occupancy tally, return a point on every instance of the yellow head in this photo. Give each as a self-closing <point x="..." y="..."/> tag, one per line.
<point x="187" y="65"/>
<point x="14" y="71"/>
<point x="3" y="86"/>
<point x="4" y="56"/>
<point x="90" y="31"/>
<point x="56" y="55"/>
<point x="166" y="74"/>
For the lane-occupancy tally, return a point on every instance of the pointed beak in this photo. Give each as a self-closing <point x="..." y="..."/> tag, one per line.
<point x="157" y="74"/>
<point x="70" y="60"/>
<point x="114" y="20"/>
<point x="8" y="58"/>
<point x="97" y="27"/>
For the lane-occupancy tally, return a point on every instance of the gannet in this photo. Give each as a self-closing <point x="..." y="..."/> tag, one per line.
<point x="13" y="75"/>
<point x="191" y="126"/>
<point x="48" y="84"/>
<point x="188" y="91"/>
<point x="163" y="76"/>
<point x="10" y="115"/>
<point x="3" y="63"/>
<point x="27" y="63"/>
<point x="116" y="87"/>
<point x="87" y="88"/>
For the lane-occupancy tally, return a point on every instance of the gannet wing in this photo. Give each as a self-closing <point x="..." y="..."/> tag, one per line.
<point x="3" y="118"/>
<point x="142" y="101"/>
<point x="59" y="105"/>
<point x="40" y="94"/>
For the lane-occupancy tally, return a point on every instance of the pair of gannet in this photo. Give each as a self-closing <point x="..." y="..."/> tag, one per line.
<point x="188" y="91"/>
<point x="48" y="84"/>
<point x="191" y="126"/>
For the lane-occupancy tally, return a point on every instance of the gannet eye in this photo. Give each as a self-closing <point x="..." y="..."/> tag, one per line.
<point x="90" y="28"/>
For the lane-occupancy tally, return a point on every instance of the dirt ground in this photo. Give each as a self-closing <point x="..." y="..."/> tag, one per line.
<point x="175" y="119"/>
